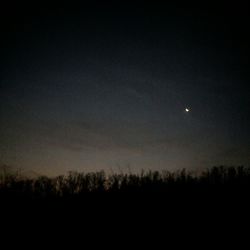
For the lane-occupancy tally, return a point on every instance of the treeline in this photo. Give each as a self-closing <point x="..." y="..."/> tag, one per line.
<point x="77" y="184"/>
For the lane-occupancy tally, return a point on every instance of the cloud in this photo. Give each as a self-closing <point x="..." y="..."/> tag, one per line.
<point x="109" y="136"/>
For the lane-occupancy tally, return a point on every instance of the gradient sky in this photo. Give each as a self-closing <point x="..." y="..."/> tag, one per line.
<point x="105" y="86"/>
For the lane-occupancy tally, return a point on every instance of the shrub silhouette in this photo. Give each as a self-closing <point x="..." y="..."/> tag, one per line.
<point x="79" y="184"/>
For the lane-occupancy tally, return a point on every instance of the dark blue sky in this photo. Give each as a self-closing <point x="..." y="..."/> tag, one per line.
<point x="105" y="86"/>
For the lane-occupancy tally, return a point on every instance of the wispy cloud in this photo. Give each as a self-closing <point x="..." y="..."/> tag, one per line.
<point x="112" y="135"/>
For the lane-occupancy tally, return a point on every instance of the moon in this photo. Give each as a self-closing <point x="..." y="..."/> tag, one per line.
<point x="187" y="110"/>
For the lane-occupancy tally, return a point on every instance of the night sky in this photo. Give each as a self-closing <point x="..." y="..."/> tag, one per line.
<point x="105" y="86"/>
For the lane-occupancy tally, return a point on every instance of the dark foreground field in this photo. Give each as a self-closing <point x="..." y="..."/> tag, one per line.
<point x="125" y="206"/>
